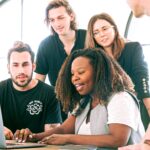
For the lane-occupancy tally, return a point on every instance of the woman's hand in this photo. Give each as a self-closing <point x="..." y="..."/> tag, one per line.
<point x="34" y="137"/>
<point x="8" y="133"/>
<point x="56" y="139"/>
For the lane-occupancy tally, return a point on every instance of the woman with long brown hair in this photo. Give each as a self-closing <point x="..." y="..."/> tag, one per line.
<point x="103" y="32"/>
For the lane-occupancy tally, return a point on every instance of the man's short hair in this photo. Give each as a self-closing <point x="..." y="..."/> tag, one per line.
<point x="19" y="46"/>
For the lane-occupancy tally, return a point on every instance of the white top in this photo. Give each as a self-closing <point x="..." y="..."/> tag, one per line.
<point x="85" y="128"/>
<point x="123" y="109"/>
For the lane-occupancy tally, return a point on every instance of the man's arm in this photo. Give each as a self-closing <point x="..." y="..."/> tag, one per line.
<point x="40" y="77"/>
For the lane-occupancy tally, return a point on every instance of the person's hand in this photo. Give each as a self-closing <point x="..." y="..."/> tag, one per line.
<point x="8" y="133"/>
<point x="34" y="137"/>
<point x="22" y="135"/>
<point x="147" y="142"/>
<point x="56" y="139"/>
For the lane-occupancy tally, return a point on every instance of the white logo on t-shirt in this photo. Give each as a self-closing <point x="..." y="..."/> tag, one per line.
<point x="34" y="107"/>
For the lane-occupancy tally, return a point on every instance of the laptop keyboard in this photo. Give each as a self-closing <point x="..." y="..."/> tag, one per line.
<point x="15" y="143"/>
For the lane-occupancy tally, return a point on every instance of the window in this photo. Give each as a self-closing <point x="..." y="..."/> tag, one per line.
<point x="10" y="29"/>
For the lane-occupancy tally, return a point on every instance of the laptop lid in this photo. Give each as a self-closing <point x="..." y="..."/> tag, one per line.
<point x="12" y="144"/>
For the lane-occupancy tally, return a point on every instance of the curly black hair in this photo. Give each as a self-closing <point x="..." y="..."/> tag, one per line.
<point x="109" y="77"/>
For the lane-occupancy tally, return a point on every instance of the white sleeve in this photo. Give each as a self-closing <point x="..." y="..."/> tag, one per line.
<point x="124" y="110"/>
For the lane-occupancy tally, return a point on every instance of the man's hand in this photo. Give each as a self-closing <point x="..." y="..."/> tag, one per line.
<point x="22" y="135"/>
<point x="8" y="133"/>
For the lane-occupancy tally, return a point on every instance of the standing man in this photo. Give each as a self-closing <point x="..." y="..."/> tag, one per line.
<point x="139" y="7"/>
<point x="26" y="103"/>
<point x="65" y="38"/>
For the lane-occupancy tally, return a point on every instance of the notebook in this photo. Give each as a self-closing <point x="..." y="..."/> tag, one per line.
<point x="8" y="144"/>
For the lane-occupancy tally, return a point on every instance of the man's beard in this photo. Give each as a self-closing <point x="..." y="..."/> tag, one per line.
<point x="25" y="84"/>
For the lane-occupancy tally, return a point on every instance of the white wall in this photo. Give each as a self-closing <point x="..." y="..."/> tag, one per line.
<point x="84" y="10"/>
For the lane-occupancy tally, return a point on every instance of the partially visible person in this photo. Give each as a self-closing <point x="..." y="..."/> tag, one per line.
<point x="103" y="32"/>
<point x="139" y="7"/>
<point x="101" y="95"/>
<point x="26" y="103"/>
<point x="65" y="39"/>
<point x="146" y="138"/>
<point x="143" y="145"/>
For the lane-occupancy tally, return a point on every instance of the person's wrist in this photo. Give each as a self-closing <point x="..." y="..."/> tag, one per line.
<point x="68" y="138"/>
<point x="148" y="110"/>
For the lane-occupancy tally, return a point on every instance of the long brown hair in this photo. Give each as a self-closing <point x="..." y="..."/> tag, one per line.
<point x="109" y="77"/>
<point x="61" y="3"/>
<point x="90" y="42"/>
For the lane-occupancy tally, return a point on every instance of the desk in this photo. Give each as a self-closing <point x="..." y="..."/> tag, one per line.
<point x="50" y="147"/>
<point x="56" y="147"/>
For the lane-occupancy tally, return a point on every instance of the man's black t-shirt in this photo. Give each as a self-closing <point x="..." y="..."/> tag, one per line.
<point x="51" y="54"/>
<point x="28" y="109"/>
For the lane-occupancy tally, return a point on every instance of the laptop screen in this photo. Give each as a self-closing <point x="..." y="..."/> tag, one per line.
<point x="2" y="136"/>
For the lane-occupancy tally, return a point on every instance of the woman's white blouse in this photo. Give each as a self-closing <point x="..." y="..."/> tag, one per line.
<point x="85" y="128"/>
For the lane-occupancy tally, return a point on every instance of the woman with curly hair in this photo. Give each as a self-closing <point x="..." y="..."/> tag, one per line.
<point x="100" y="97"/>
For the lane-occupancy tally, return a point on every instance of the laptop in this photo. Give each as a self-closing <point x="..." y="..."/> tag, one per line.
<point x="12" y="144"/>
